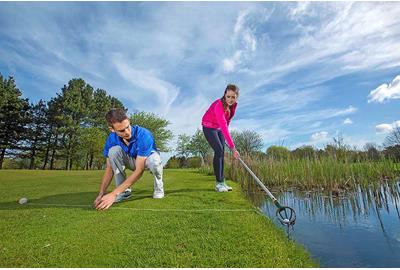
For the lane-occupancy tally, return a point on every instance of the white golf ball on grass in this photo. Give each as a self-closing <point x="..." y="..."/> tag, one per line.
<point x="23" y="201"/>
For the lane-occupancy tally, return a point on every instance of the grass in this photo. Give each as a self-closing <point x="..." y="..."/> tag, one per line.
<point x="307" y="174"/>
<point x="57" y="228"/>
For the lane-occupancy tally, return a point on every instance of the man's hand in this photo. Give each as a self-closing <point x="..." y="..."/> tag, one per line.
<point x="97" y="200"/>
<point x="106" y="201"/>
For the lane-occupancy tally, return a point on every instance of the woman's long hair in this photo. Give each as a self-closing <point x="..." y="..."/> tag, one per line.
<point x="233" y="88"/>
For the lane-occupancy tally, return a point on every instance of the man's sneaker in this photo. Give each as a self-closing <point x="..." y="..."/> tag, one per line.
<point x="123" y="196"/>
<point x="158" y="194"/>
<point x="220" y="187"/>
<point x="227" y="187"/>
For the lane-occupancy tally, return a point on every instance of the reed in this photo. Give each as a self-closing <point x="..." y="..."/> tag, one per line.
<point x="312" y="173"/>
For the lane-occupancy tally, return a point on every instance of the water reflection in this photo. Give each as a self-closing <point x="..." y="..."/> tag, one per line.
<point x="359" y="228"/>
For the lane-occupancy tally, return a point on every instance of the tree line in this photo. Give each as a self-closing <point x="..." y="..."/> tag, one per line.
<point x="194" y="151"/>
<point x="66" y="132"/>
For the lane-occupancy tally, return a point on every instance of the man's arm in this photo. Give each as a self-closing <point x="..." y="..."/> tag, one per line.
<point x="107" y="177"/>
<point x="109" y="199"/>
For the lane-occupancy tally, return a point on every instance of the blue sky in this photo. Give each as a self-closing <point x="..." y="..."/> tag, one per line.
<point x="307" y="70"/>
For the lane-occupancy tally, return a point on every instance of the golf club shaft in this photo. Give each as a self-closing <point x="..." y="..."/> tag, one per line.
<point x="258" y="181"/>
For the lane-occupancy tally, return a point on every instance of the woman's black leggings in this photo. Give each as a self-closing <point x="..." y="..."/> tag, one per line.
<point x="217" y="141"/>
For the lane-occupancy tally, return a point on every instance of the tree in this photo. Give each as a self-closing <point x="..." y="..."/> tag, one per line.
<point x="100" y="105"/>
<point x="393" y="138"/>
<point x="278" y="152"/>
<point x="13" y="116"/>
<point x="183" y="147"/>
<point x="372" y="152"/>
<point x="305" y="151"/>
<point x="247" y="141"/>
<point x="53" y="134"/>
<point x="35" y="136"/>
<point x="76" y="105"/>
<point x="92" y="141"/>
<point x="157" y="126"/>
<point x="338" y="142"/>
<point x="198" y="145"/>
<point x="174" y="162"/>
<point x="392" y="152"/>
<point x="392" y="144"/>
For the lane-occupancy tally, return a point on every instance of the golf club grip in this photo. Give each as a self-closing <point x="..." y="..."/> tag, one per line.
<point x="258" y="180"/>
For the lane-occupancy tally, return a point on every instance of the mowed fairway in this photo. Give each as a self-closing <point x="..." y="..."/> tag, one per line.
<point x="57" y="228"/>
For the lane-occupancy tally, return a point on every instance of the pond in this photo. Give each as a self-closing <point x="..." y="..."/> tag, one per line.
<point x="352" y="229"/>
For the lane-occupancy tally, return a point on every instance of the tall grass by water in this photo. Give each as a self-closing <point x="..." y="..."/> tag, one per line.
<point x="311" y="173"/>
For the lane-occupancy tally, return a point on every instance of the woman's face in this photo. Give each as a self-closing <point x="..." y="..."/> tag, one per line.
<point x="230" y="97"/>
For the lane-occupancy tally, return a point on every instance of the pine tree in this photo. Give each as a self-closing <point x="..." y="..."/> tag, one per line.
<point x="13" y="117"/>
<point x="35" y="135"/>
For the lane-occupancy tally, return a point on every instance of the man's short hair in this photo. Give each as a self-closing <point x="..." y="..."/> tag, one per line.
<point x="115" y="115"/>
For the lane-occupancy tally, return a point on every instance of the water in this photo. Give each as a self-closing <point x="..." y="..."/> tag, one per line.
<point x="355" y="229"/>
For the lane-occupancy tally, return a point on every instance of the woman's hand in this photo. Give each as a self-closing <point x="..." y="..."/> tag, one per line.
<point x="235" y="153"/>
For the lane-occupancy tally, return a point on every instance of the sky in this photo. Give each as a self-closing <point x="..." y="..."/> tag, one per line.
<point x="307" y="71"/>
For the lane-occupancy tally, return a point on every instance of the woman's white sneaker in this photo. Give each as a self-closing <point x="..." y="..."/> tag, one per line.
<point x="220" y="187"/>
<point x="227" y="187"/>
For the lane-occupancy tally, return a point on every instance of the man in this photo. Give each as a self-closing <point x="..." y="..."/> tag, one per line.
<point x="130" y="147"/>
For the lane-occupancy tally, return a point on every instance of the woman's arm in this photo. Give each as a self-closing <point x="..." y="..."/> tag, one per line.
<point x="220" y="116"/>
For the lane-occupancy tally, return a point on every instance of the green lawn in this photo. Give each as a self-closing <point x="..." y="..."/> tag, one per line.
<point x="57" y="228"/>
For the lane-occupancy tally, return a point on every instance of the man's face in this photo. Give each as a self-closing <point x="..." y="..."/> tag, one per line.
<point x="123" y="129"/>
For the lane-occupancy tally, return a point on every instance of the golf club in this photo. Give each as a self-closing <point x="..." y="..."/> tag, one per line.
<point x="285" y="214"/>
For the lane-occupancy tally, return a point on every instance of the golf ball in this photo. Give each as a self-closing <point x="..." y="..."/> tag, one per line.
<point x="23" y="201"/>
<point x="286" y="220"/>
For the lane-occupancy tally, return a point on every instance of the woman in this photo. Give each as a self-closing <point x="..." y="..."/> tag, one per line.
<point x="215" y="124"/>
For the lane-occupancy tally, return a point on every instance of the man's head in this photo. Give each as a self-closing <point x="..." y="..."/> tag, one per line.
<point x="119" y="123"/>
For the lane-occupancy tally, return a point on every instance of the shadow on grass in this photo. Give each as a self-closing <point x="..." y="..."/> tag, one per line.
<point x="84" y="200"/>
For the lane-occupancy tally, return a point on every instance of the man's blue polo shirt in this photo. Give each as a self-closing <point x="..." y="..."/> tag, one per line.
<point x="140" y="144"/>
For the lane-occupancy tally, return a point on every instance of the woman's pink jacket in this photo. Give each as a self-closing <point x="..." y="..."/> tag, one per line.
<point x="215" y="117"/>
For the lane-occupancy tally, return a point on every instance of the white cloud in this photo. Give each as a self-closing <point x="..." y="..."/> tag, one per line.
<point x="384" y="91"/>
<point x="240" y="20"/>
<point x="185" y="117"/>
<point x="384" y="128"/>
<point x="319" y="136"/>
<point x="282" y="100"/>
<point x="162" y="93"/>
<point x="245" y="38"/>
<point x="243" y="33"/>
<point x="347" y="121"/>
<point x="270" y="133"/>
<point x="387" y="128"/>
<point x="349" y="110"/>
<point x="279" y="124"/>
<point x="339" y="37"/>
<point x="299" y="10"/>
<point x="304" y="118"/>
<point x="250" y="41"/>
<point x="229" y="64"/>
